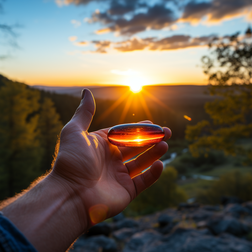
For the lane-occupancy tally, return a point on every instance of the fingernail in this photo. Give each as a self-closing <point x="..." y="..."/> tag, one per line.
<point x="83" y="93"/>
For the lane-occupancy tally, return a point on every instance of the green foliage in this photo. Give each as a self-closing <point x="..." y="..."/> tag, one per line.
<point x="28" y="132"/>
<point x="19" y="145"/>
<point x="164" y="193"/>
<point x="49" y="128"/>
<point x="65" y="105"/>
<point x="229" y="72"/>
<point x="230" y="184"/>
<point x="186" y="163"/>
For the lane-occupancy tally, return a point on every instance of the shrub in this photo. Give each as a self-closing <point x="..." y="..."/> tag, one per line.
<point x="230" y="184"/>
<point x="164" y="193"/>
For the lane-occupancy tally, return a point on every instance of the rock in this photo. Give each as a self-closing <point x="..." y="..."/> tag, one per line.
<point x="141" y="241"/>
<point x="95" y="244"/>
<point x="225" y="200"/>
<point x="211" y="208"/>
<point x="167" y="229"/>
<point x="118" y="217"/>
<point x="126" y="223"/>
<point x="201" y="225"/>
<point x="201" y="215"/>
<point x="124" y="234"/>
<point x="190" y="240"/>
<point x="186" y="206"/>
<point x="236" y="210"/>
<point x="164" y="220"/>
<point x="102" y="228"/>
<point x="248" y="205"/>
<point x="227" y="224"/>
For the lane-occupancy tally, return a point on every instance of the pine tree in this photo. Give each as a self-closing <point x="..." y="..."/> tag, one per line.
<point x="49" y="127"/>
<point x="19" y="145"/>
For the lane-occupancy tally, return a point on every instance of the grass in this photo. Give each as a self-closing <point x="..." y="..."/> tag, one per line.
<point x="216" y="166"/>
<point x="193" y="186"/>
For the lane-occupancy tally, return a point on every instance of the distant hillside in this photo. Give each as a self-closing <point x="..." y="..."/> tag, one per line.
<point x="162" y="92"/>
<point x="164" y="105"/>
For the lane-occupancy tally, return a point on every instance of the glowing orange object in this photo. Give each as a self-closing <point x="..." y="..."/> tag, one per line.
<point x="187" y="118"/>
<point x="135" y="134"/>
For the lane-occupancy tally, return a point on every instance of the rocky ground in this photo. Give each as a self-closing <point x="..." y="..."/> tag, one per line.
<point x="190" y="228"/>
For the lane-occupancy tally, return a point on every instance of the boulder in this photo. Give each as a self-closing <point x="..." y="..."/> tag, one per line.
<point x="126" y="223"/>
<point x="124" y="234"/>
<point x="187" y="240"/>
<point x="187" y="206"/>
<point x="237" y="210"/>
<point x="227" y="224"/>
<point x="164" y="220"/>
<point x="201" y="215"/>
<point x="102" y="228"/>
<point x="118" y="217"/>
<point x="225" y="200"/>
<point x="248" y="205"/>
<point x="95" y="244"/>
<point x="142" y="240"/>
<point x="211" y="208"/>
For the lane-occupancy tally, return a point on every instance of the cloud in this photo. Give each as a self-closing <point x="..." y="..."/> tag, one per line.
<point x="72" y="38"/>
<point x="216" y="10"/>
<point x="76" y="2"/>
<point x="81" y="43"/>
<point x="129" y="17"/>
<point x="121" y="8"/>
<point x="102" y="46"/>
<point x="156" y="17"/>
<point x="153" y="44"/>
<point x="76" y="23"/>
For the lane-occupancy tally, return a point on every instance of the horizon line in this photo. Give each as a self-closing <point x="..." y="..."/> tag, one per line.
<point x="117" y="85"/>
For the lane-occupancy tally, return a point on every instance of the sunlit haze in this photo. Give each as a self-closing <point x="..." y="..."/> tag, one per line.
<point x="76" y="43"/>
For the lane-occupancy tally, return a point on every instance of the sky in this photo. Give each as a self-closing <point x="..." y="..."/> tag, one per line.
<point x="88" y="42"/>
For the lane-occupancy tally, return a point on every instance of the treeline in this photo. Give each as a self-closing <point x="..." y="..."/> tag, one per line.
<point x="29" y="126"/>
<point x="109" y="113"/>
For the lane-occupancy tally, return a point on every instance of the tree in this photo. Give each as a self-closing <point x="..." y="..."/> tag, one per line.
<point x="49" y="127"/>
<point x="164" y="193"/>
<point x="230" y="184"/>
<point x="19" y="145"/>
<point x="229" y="70"/>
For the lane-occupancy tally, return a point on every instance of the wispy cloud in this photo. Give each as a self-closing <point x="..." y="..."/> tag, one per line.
<point x="72" y="38"/>
<point x="76" y="23"/>
<point x="153" y="44"/>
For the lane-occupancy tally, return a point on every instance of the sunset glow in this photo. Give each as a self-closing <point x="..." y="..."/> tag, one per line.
<point x="136" y="83"/>
<point x="98" y="49"/>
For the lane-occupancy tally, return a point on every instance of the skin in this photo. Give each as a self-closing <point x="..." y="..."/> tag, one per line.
<point x="90" y="181"/>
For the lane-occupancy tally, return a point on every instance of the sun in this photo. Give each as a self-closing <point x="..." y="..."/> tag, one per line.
<point x="135" y="88"/>
<point x="135" y="83"/>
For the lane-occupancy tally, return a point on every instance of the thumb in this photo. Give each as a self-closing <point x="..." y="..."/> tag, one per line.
<point x="85" y="112"/>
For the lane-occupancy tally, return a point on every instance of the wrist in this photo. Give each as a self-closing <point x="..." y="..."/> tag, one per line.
<point x="73" y="200"/>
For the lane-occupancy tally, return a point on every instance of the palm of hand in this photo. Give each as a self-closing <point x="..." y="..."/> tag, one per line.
<point x="96" y="166"/>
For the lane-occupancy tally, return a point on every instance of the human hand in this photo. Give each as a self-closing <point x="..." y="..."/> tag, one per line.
<point x="95" y="170"/>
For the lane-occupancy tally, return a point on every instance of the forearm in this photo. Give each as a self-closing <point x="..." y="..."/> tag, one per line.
<point x="50" y="215"/>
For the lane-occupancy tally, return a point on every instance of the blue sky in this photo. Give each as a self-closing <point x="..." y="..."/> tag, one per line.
<point x="63" y="42"/>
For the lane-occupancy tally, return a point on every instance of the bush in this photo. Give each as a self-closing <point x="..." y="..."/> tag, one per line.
<point x="186" y="163"/>
<point x="164" y="193"/>
<point x="230" y="184"/>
